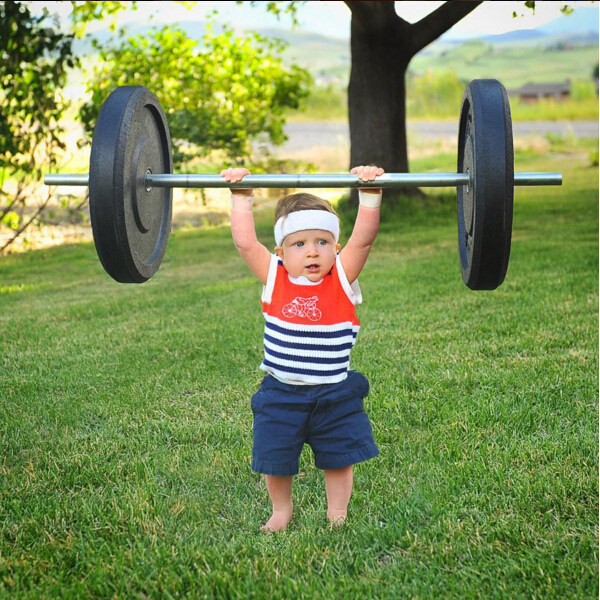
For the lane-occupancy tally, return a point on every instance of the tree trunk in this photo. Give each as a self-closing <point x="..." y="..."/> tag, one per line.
<point x="382" y="45"/>
<point x="376" y="92"/>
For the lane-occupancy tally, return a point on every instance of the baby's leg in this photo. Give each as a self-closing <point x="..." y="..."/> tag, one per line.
<point x="280" y="490"/>
<point x="338" y="485"/>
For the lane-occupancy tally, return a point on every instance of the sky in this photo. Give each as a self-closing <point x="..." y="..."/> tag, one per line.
<point x="332" y="18"/>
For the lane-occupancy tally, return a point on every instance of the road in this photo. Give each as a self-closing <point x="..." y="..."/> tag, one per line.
<point x="302" y="136"/>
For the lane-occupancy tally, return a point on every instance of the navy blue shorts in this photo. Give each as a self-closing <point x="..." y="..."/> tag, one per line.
<point x="330" y="418"/>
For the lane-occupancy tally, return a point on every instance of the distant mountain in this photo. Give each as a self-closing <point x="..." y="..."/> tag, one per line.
<point x="580" y="27"/>
<point x="537" y="37"/>
<point x="512" y="37"/>
<point x="582" y="20"/>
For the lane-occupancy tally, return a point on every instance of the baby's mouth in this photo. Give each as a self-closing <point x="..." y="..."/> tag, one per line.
<point x="312" y="268"/>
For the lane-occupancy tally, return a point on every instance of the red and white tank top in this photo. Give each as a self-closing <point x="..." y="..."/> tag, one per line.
<point x="310" y="328"/>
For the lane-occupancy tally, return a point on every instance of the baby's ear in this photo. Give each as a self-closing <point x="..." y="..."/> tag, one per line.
<point x="279" y="251"/>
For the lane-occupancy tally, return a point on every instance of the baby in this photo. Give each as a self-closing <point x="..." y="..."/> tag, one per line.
<point x="308" y="395"/>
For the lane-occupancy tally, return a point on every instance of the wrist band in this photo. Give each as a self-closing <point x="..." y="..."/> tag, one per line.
<point x="240" y="202"/>
<point x="369" y="199"/>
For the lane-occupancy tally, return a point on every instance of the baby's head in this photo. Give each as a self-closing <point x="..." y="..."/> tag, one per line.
<point x="306" y="233"/>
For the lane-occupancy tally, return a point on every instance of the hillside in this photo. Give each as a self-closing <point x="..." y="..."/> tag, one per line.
<point x="514" y="64"/>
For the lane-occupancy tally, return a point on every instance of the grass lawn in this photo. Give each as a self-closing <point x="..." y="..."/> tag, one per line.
<point x="125" y="422"/>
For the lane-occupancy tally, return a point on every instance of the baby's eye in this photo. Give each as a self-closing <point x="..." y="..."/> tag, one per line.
<point x="322" y="242"/>
<point x="299" y="244"/>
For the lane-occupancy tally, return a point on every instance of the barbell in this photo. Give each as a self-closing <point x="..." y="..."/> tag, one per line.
<point x="130" y="183"/>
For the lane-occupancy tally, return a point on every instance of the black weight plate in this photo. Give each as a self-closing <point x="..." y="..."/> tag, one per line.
<point x="485" y="206"/>
<point x="130" y="222"/>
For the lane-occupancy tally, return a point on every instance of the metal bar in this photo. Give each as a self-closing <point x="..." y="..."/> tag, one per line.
<point x="74" y="180"/>
<point x="312" y="181"/>
<point x="388" y="180"/>
<point x="524" y="178"/>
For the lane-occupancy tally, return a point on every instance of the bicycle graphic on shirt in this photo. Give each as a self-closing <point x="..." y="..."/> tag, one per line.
<point x="302" y="307"/>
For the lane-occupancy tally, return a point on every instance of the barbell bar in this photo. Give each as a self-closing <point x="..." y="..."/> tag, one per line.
<point x="131" y="180"/>
<point x="283" y="181"/>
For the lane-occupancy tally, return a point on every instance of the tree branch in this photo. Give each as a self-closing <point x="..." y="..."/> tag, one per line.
<point x="431" y="27"/>
<point x="26" y="225"/>
<point x="374" y="13"/>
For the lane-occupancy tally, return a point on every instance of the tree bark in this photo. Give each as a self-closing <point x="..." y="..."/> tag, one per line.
<point x="382" y="45"/>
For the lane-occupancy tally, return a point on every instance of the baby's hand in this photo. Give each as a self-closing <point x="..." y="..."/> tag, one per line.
<point x="241" y="198"/>
<point x="234" y="174"/>
<point x="368" y="173"/>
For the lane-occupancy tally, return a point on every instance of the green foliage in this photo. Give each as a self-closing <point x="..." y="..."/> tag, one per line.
<point x="438" y="95"/>
<point x="324" y="103"/>
<point x="84" y="12"/>
<point x="220" y="96"/>
<point x="11" y="219"/>
<point x="530" y="4"/>
<point x="282" y="8"/>
<point x="35" y="57"/>
<point x="435" y="93"/>
<point x="583" y="90"/>
<point x="549" y="109"/>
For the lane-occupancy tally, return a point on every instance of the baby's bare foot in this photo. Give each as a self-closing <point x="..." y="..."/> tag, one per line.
<point x="279" y="519"/>
<point x="337" y="517"/>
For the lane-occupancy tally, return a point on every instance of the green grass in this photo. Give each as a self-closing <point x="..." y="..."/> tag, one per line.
<point x="125" y="423"/>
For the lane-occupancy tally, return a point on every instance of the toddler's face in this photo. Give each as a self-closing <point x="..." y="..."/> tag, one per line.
<point x="310" y="253"/>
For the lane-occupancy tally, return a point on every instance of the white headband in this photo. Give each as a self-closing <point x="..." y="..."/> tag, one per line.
<point x="302" y="220"/>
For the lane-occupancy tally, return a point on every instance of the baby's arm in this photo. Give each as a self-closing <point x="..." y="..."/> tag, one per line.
<point x="355" y="253"/>
<point x="257" y="257"/>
